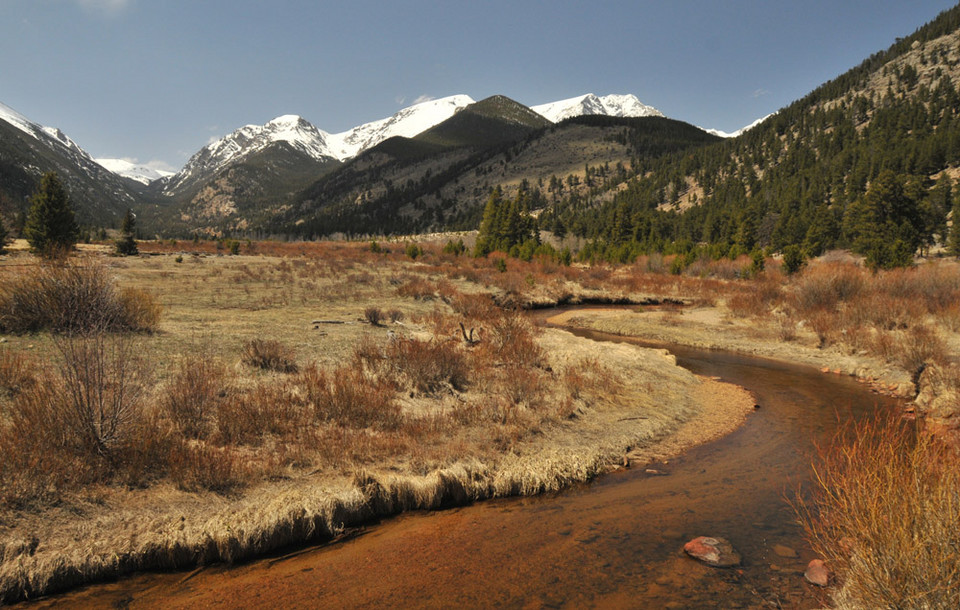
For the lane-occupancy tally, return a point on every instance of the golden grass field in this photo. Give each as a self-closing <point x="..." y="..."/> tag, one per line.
<point x="286" y="392"/>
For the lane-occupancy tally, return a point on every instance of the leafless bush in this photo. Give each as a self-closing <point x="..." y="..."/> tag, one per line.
<point x="348" y="397"/>
<point x="82" y="421"/>
<point x="429" y="365"/>
<point x="373" y="315"/>
<point x="191" y="398"/>
<point x="270" y="355"/>
<point x="395" y="315"/>
<point x="512" y="340"/>
<point x="67" y="299"/>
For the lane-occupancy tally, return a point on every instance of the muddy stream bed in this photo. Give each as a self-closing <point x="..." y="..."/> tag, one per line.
<point x="615" y="542"/>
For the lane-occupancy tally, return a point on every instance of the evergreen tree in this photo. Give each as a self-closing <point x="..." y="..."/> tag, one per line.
<point x="50" y="227"/>
<point x="4" y="237"/>
<point x="953" y="243"/>
<point x="127" y="244"/>
<point x="885" y="225"/>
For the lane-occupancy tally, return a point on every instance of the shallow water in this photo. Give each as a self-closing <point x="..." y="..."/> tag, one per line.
<point x="615" y="542"/>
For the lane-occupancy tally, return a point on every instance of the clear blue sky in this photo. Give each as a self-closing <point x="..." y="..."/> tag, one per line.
<point x="155" y="80"/>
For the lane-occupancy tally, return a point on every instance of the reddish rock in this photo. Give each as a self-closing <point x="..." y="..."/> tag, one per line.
<point x="817" y="573"/>
<point x="716" y="552"/>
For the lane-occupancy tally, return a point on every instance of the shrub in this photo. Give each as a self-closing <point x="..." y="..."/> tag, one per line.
<point x="193" y="395"/>
<point x="349" y="398"/>
<point x="196" y="467"/>
<point x="65" y="299"/>
<point x="80" y="422"/>
<point x="395" y="315"/>
<point x="898" y="548"/>
<point x="374" y="315"/>
<point x="268" y="355"/>
<point x="429" y="365"/>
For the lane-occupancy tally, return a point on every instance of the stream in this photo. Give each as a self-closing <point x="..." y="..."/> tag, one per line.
<point x="614" y="542"/>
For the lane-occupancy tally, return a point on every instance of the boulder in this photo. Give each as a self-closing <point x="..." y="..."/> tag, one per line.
<point x="716" y="552"/>
<point x="817" y="573"/>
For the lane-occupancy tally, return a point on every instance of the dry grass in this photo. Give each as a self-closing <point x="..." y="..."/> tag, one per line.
<point x="884" y="515"/>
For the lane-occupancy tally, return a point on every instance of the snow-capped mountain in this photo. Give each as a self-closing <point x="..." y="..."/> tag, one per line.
<point x="316" y="143"/>
<point x="39" y="131"/>
<point x="290" y="128"/>
<point x="128" y="169"/>
<point x="407" y="123"/>
<point x="29" y="149"/>
<point x="610" y="105"/>
<point x="733" y="134"/>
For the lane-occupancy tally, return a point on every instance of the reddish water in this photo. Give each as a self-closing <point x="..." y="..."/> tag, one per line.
<point x="615" y="542"/>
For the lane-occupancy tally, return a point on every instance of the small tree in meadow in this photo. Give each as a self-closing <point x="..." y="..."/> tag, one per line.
<point x="127" y="244"/>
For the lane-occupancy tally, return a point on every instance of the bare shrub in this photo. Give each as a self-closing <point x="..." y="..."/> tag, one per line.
<point x="191" y="398"/>
<point x="82" y="421"/>
<point x="347" y="397"/>
<point x="100" y="390"/>
<point x="898" y="548"/>
<point x="269" y="355"/>
<point x="429" y="365"/>
<point x="66" y="299"/>
<point x="395" y="315"/>
<point x="521" y="385"/>
<point x="247" y="417"/>
<point x="512" y="340"/>
<point x="918" y="346"/>
<point x="419" y="289"/>
<point x="373" y="315"/>
<point x="824" y="286"/>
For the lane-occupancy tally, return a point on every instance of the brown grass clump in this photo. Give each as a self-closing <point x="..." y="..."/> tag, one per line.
<point x="74" y="299"/>
<point x="885" y="515"/>
<point x="269" y="355"/>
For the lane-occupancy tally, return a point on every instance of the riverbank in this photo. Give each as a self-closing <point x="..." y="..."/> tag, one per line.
<point x="712" y="327"/>
<point x="619" y="404"/>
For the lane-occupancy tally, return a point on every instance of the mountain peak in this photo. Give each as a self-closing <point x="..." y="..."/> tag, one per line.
<point x="610" y="105"/>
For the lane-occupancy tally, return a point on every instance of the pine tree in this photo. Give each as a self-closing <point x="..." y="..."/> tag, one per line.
<point x="127" y="244"/>
<point x="4" y="237"/>
<point x="953" y="243"/>
<point x="51" y="228"/>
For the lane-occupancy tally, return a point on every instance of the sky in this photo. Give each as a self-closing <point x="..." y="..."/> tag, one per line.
<point x="156" y="80"/>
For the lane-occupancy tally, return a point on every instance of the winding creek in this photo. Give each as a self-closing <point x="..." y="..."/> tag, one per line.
<point x="615" y="542"/>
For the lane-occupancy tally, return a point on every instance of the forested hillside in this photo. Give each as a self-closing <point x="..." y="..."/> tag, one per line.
<point x="866" y="161"/>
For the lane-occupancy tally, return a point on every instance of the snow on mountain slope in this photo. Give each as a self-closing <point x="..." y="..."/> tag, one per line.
<point x="610" y="105"/>
<point x="316" y="143"/>
<point x="724" y="134"/>
<point x="289" y="128"/>
<point x="38" y="131"/>
<point x="129" y="169"/>
<point x="407" y="123"/>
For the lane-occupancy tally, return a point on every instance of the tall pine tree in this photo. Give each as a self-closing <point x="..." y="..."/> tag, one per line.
<point x="51" y="228"/>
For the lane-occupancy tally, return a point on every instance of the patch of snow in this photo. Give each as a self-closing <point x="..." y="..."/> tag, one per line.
<point x="609" y="105"/>
<point x="408" y="122"/>
<point x="129" y="168"/>
<point x="741" y="131"/>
